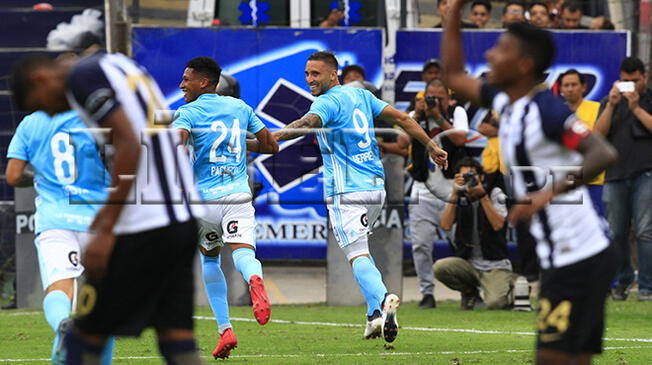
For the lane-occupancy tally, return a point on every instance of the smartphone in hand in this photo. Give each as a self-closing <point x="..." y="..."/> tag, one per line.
<point x="625" y="86"/>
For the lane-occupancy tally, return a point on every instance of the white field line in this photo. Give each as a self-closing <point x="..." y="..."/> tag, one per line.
<point x="423" y="329"/>
<point x="359" y="354"/>
<point x="332" y="324"/>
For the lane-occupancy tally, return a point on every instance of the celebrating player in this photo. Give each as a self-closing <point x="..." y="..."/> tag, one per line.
<point x="70" y="180"/>
<point x="538" y="131"/>
<point x="354" y="175"/>
<point x="139" y="260"/>
<point x="217" y="128"/>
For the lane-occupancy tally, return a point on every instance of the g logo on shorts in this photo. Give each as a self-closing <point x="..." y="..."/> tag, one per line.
<point x="212" y="236"/>
<point x="73" y="257"/>
<point x="232" y="227"/>
<point x="364" y="220"/>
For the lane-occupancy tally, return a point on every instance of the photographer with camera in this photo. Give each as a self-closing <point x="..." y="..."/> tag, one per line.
<point x="480" y="241"/>
<point x="625" y="119"/>
<point x="437" y="117"/>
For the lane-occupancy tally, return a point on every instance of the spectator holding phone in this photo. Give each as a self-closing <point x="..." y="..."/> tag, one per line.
<point x="625" y="118"/>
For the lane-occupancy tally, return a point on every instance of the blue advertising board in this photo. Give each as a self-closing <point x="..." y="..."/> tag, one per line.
<point x="269" y="63"/>
<point x="595" y="54"/>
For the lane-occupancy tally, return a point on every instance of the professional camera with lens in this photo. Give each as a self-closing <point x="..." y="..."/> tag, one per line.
<point x="431" y="101"/>
<point x="470" y="180"/>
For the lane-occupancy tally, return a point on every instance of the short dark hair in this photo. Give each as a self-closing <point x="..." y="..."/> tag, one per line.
<point x="326" y="57"/>
<point x="20" y="80"/>
<point x="484" y="3"/>
<point x="572" y="6"/>
<point x="540" y="3"/>
<point x="468" y="161"/>
<point x="534" y="42"/>
<point x="206" y="66"/>
<point x="631" y="65"/>
<point x="513" y="2"/>
<point x="355" y="68"/>
<point x="572" y="71"/>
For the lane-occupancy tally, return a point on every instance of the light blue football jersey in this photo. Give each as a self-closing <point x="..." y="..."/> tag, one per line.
<point x="218" y="127"/>
<point x="69" y="173"/>
<point x="348" y="143"/>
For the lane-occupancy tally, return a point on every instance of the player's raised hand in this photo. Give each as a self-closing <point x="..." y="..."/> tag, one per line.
<point x="530" y="205"/>
<point x="438" y="155"/>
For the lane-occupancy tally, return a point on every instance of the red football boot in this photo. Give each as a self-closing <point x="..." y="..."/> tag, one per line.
<point x="261" y="305"/>
<point x="227" y="343"/>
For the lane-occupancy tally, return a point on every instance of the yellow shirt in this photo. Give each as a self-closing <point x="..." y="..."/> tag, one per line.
<point x="491" y="158"/>
<point x="588" y="112"/>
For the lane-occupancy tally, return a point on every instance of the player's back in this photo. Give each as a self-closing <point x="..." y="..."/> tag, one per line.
<point x="218" y="127"/>
<point x="69" y="173"/>
<point x="348" y="142"/>
<point x="534" y="144"/>
<point x="162" y="192"/>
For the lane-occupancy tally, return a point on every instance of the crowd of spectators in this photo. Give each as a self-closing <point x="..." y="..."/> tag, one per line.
<point x="553" y="14"/>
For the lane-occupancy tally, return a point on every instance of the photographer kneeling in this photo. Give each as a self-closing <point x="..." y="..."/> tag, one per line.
<point x="480" y="241"/>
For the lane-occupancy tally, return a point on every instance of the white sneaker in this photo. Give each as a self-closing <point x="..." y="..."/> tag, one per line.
<point x="390" y="324"/>
<point x="374" y="328"/>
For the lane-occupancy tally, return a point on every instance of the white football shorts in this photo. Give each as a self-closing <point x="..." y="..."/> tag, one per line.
<point x="59" y="254"/>
<point x="352" y="215"/>
<point x="229" y="219"/>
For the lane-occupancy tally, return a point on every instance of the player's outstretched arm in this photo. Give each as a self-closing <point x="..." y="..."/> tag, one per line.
<point x="264" y="142"/>
<point x="18" y="175"/>
<point x="409" y="125"/>
<point x="298" y="128"/>
<point x="452" y="53"/>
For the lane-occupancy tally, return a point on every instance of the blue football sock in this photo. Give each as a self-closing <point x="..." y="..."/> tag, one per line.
<point x="216" y="291"/>
<point x="107" y="352"/>
<point x="56" y="306"/>
<point x="246" y="262"/>
<point x="370" y="282"/>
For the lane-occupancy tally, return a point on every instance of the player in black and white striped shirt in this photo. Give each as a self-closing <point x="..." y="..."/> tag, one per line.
<point x="139" y="262"/>
<point x="539" y="134"/>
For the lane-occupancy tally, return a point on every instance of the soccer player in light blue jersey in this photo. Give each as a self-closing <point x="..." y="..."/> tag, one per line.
<point x="354" y="175"/>
<point x="216" y="127"/>
<point x="70" y="180"/>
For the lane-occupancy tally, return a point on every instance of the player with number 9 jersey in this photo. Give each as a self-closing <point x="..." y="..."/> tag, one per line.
<point x="347" y="140"/>
<point x="343" y="117"/>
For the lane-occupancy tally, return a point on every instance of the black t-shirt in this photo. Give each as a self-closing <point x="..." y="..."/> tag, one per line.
<point x="631" y="138"/>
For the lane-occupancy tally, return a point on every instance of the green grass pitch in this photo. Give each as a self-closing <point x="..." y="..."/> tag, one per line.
<point x="316" y="334"/>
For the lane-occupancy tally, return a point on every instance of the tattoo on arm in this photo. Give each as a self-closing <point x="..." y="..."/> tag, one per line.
<point x="299" y="127"/>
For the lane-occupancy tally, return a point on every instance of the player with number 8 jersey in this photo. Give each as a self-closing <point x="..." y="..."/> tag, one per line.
<point x="70" y="181"/>
<point x="216" y="127"/>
